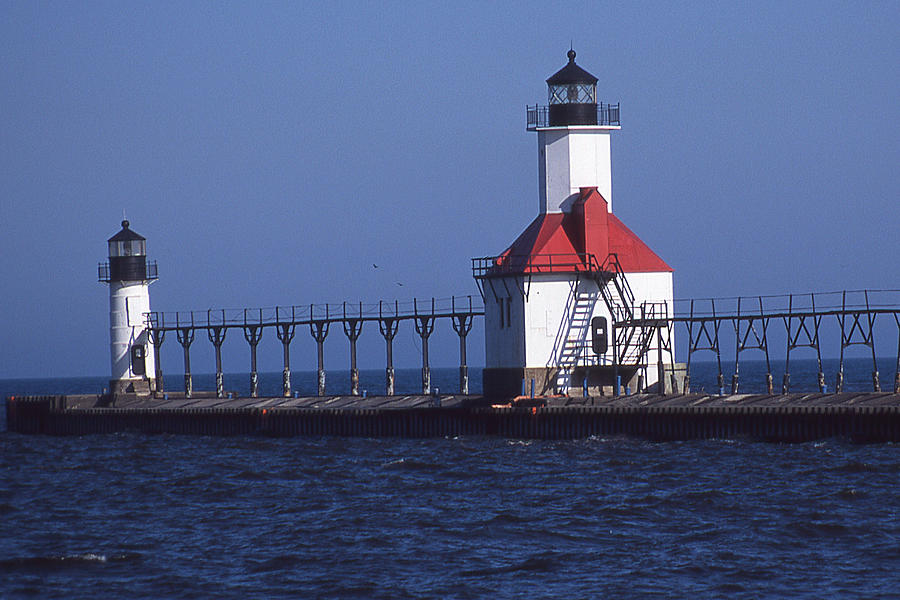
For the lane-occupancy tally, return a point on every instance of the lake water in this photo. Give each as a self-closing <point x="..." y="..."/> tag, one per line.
<point x="162" y="516"/>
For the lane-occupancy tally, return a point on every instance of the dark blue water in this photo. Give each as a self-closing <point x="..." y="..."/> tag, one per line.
<point x="141" y="516"/>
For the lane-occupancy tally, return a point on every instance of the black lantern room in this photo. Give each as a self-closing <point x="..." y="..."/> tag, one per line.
<point x="127" y="258"/>
<point x="573" y="96"/>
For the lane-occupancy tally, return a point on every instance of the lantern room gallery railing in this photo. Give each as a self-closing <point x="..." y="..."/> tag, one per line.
<point x="104" y="274"/>
<point x="539" y="116"/>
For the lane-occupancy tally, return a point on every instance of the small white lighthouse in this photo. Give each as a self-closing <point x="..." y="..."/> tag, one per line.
<point x="129" y="276"/>
<point x="578" y="300"/>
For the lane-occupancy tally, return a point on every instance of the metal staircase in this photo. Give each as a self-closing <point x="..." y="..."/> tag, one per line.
<point x="572" y="347"/>
<point x="621" y="306"/>
<point x="571" y="341"/>
<point x="634" y="327"/>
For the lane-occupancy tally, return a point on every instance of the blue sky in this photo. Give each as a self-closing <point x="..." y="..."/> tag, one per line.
<point x="271" y="152"/>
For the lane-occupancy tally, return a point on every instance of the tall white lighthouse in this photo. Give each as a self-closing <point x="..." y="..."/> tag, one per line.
<point x="577" y="300"/>
<point x="129" y="276"/>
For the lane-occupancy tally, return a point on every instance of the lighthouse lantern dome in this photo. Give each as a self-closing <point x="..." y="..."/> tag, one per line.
<point x="127" y="243"/>
<point x="128" y="256"/>
<point x="573" y="96"/>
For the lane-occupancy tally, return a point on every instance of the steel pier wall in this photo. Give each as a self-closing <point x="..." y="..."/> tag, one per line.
<point x="50" y="415"/>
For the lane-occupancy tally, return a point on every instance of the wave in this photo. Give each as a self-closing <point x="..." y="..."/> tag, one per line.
<point x="61" y="561"/>
<point x="412" y="464"/>
<point x="506" y="517"/>
<point x="532" y="564"/>
<point x="280" y="563"/>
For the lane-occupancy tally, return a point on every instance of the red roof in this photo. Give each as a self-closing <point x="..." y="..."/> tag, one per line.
<point x="634" y="255"/>
<point x="562" y="242"/>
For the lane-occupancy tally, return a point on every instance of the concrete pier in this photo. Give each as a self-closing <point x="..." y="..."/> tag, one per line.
<point x="860" y="417"/>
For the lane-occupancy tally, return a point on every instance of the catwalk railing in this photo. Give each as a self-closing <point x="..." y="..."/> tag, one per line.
<point x="284" y="320"/>
<point x="728" y="328"/>
<point x="802" y="321"/>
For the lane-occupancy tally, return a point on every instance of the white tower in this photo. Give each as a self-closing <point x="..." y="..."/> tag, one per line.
<point x="573" y="139"/>
<point x="129" y="276"/>
<point x="577" y="300"/>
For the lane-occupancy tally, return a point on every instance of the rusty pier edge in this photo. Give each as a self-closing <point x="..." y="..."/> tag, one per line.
<point x="859" y="417"/>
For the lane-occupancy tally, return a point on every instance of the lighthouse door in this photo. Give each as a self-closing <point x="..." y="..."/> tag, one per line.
<point x="599" y="335"/>
<point x="138" y="367"/>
